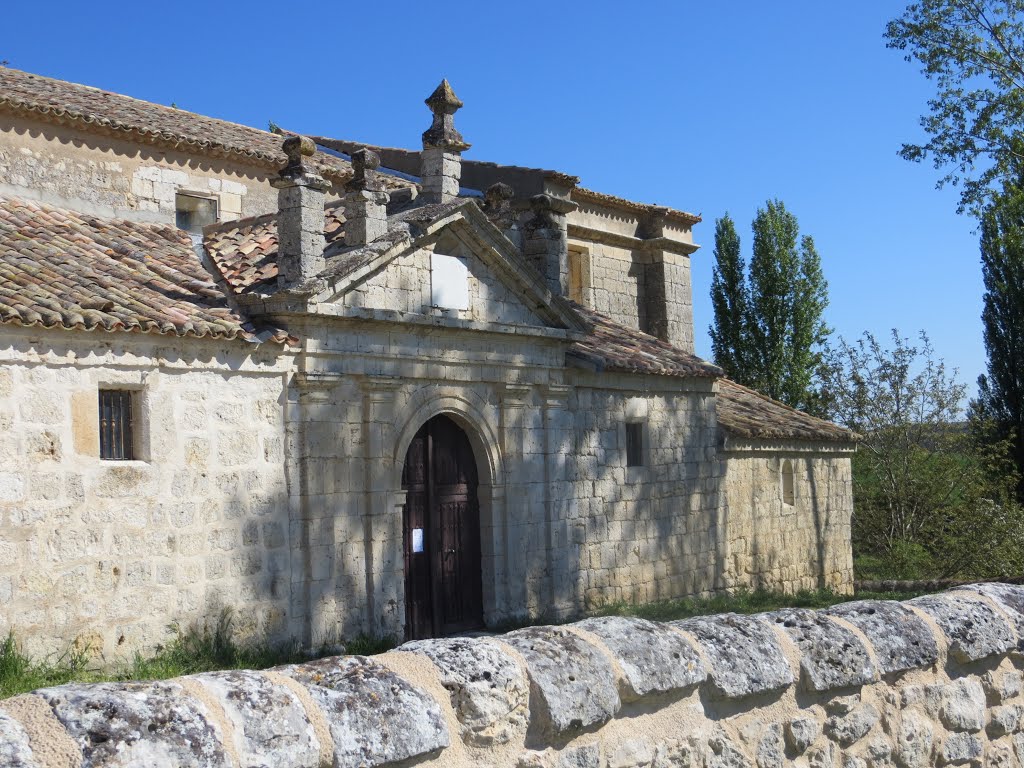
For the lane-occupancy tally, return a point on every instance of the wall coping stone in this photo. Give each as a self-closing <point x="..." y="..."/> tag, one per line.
<point x="544" y="697"/>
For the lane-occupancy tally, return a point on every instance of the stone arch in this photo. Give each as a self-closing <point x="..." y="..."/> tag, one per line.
<point x="469" y="411"/>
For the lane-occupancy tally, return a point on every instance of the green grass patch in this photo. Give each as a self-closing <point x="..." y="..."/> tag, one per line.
<point x="197" y="649"/>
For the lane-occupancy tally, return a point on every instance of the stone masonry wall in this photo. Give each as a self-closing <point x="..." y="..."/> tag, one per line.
<point x="107" y="553"/>
<point x="872" y="684"/>
<point x="107" y="177"/>
<point x="774" y="545"/>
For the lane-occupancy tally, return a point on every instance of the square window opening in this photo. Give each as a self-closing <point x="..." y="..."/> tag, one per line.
<point x="117" y="424"/>
<point x="193" y="212"/>
<point x="634" y="444"/>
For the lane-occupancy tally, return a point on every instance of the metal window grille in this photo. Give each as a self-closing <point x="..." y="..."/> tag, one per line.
<point x="634" y="444"/>
<point x="116" y="425"/>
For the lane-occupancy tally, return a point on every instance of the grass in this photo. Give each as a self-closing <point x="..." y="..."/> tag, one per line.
<point x="197" y="649"/>
<point x="205" y="649"/>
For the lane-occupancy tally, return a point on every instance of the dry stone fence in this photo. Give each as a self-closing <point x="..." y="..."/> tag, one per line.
<point x="932" y="681"/>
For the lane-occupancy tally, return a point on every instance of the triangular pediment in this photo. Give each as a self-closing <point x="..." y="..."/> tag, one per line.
<point x="457" y="266"/>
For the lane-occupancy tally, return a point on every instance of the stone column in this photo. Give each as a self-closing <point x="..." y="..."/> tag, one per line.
<point x="365" y="201"/>
<point x="511" y="567"/>
<point x="546" y="241"/>
<point x="382" y="527"/>
<point x="558" y="438"/>
<point x="300" y="217"/>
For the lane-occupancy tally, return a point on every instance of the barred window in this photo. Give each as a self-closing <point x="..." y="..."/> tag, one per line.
<point x="635" y="444"/>
<point x="116" y="440"/>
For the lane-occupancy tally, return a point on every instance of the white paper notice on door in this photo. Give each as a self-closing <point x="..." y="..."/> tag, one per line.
<point x="417" y="539"/>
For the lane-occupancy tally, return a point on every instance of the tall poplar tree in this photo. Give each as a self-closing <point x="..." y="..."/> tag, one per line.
<point x="1001" y="391"/>
<point x="769" y="330"/>
<point x="730" y="343"/>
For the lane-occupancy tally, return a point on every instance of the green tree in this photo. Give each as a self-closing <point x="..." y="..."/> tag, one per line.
<point x="730" y="340"/>
<point x="768" y="331"/>
<point x="973" y="50"/>
<point x="929" y="499"/>
<point x="1000" y="402"/>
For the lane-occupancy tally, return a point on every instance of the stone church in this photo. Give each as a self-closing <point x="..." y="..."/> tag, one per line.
<point x="343" y="389"/>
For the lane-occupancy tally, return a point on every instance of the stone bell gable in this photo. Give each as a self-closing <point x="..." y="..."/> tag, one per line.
<point x="395" y="393"/>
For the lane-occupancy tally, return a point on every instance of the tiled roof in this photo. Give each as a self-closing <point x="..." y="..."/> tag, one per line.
<point x="746" y="413"/>
<point x="613" y="347"/>
<point x="245" y="251"/>
<point x="96" y="111"/>
<point x="60" y="269"/>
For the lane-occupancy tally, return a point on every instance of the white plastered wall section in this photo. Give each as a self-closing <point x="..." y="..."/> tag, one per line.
<point x="106" y="177"/>
<point x="110" y="552"/>
<point x="789" y="547"/>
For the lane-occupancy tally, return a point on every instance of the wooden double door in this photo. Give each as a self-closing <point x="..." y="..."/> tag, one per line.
<point x="443" y="584"/>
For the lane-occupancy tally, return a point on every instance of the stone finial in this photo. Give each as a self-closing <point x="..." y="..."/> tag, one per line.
<point x="365" y="200"/>
<point x="300" y="214"/>
<point x="365" y="163"/>
<point x="444" y="104"/>
<point x="652" y="223"/>
<point x="297" y="148"/>
<point x="498" y="205"/>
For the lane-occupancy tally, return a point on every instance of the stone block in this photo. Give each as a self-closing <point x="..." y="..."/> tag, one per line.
<point x="914" y="740"/>
<point x="128" y="724"/>
<point x="846" y="729"/>
<point x="963" y="706"/>
<point x="1009" y="597"/>
<point x="744" y="654"/>
<point x="375" y="717"/>
<point x="801" y="733"/>
<point x="831" y="655"/>
<point x="653" y="657"/>
<point x="961" y="749"/>
<point x="1005" y="720"/>
<point x="269" y="724"/>
<point x="572" y="683"/>
<point x="901" y="639"/>
<point x="15" y="750"/>
<point x="972" y="628"/>
<point x="489" y="693"/>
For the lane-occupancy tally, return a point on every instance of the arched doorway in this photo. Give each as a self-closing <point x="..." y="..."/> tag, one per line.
<point x="441" y="523"/>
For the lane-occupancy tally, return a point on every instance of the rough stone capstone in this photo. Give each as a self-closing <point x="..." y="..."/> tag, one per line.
<point x="960" y="748"/>
<point x="1009" y="597"/>
<point x="15" y="751"/>
<point x="744" y="654"/>
<point x="375" y="717"/>
<point x="831" y="655"/>
<point x="801" y="732"/>
<point x="973" y="629"/>
<point x="851" y="727"/>
<point x="653" y="657"/>
<point x="489" y="693"/>
<point x="269" y="723"/>
<point x="573" y="682"/>
<point x="900" y="638"/>
<point x="963" y="706"/>
<point x="130" y="724"/>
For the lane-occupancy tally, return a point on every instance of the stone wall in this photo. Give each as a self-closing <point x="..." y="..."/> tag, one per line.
<point x="108" y="553"/>
<point x="106" y="177"/>
<point x="776" y="545"/>
<point x="933" y="681"/>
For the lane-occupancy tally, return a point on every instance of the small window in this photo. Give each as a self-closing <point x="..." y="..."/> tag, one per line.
<point x="194" y="212"/>
<point x="116" y="427"/>
<point x="788" y="497"/>
<point x="579" y="275"/>
<point x="449" y="282"/>
<point x="634" y="444"/>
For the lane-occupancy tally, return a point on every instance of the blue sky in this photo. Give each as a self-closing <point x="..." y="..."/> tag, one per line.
<point x="707" y="107"/>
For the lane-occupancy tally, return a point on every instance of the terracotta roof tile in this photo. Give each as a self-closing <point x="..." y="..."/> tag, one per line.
<point x="614" y="347"/>
<point x="69" y="270"/>
<point x="96" y="111"/>
<point x="746" y="413"/>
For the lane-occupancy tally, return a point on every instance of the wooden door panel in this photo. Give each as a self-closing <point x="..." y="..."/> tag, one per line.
<point x="443" y="582"/>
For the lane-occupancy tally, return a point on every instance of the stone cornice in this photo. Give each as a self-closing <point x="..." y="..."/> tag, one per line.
<point x="735" y="445"/>
<point x="664" y="244"/>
